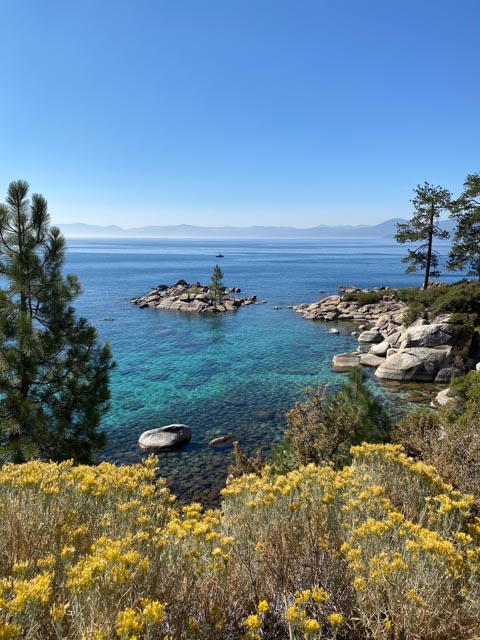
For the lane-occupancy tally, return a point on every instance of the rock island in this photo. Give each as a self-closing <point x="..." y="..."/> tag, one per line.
<point x="194" y="298"/>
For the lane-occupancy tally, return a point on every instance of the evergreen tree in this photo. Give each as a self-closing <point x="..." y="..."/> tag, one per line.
<point x="53" y="374"/>
<point x="216" y="288"/>
<point x="429" y="202"/>
<point x="369" y="420"/>
<point x="465" y="250"/>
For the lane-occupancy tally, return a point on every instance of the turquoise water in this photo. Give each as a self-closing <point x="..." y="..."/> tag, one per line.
<point x="225" y="374"/>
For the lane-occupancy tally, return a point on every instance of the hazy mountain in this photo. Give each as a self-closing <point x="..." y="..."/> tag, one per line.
<point x="385" y="229"/>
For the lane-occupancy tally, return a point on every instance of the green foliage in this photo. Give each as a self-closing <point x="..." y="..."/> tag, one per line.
<point x="367" y="297"/>
<point x="429" y="202"/>
<point x="53" y="375"/>
<point x="415" y="310"/>
<point x="323" y="428"/>
<point x="216" y="287"/>
<point x="460" y="298"/>
<point x="465" y="249"/>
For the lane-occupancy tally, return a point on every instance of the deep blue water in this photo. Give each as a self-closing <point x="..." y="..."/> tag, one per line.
<point x="231" y="373"/>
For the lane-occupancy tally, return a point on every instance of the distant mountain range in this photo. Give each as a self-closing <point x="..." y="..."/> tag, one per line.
<point x="385" y="229"/>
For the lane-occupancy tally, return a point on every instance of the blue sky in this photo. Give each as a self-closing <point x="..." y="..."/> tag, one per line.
<point x="237" y="112"/>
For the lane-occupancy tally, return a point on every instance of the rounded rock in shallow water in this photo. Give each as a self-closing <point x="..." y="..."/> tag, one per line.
<point x="222" y="439"/>
<point x="173" y="435"/>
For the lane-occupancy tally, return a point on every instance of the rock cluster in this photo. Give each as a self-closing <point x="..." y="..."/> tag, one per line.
<point x="425" y="351"/>
<point x="191" y="297"/>
<point x="335" y="308"/>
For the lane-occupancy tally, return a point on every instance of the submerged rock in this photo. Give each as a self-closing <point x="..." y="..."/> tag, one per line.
<point x="344" y="361"/>
<point x="221" y="440"/>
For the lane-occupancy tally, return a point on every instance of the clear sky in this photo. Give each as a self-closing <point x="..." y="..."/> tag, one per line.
<point x="237" y="112"/>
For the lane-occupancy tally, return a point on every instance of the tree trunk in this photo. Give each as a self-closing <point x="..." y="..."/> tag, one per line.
<point x="429" y="250"/>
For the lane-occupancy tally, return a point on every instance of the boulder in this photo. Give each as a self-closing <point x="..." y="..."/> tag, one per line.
<point x="444" y="397"/>
<point x="370" y="336"/>
<point x="447" y="374"/>
<point x="335" y="331"/>
<point x="444" y="318"/>
<point x="429" y="335"/>
<point x="380" y="349"/>
<point x="345" y="361"/>
<point x="417" y="363"/>
<point x="371" y="360"/>
<point x="393" y="338"/>
<point x="173" y="435"/>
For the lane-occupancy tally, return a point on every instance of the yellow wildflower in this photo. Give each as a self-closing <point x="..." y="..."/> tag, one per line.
<point x="128" y="623"/>
<point x="252" y="622"/>
<point x="311" y="625"/>
<point x="262" y="606"/>
<point x="335" y="619"/>
<point x="153" y="611"/>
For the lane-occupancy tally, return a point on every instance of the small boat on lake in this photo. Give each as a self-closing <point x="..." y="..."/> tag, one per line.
<point x="219" y="255"/>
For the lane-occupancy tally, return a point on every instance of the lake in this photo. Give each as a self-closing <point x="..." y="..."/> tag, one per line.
<point x="232" y="373"/>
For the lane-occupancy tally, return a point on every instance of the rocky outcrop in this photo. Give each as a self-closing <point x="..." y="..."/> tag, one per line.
<point x="171" y="436"/>
<point x="415" y="363"/>
<point x="191" y="298"/>
<point x="425" y="351"/>
<point x="334" y="308"/>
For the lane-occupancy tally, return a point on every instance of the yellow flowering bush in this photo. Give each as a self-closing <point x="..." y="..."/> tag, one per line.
<point x="382" y="549"/>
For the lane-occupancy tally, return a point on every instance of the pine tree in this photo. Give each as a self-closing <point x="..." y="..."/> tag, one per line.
<point x="53" y="374"/>
<point x="368" y="418"/>
<point x="216" y="288"/>
<point x="465" y="250"/>
<point x="429" y="202"/>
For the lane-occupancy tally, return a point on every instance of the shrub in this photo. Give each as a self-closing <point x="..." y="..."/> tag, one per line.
<point x="462" y="297"/>
<point x="450" y="439"/>
<point x="323" y="428"/>
<point x="381" y="549"/>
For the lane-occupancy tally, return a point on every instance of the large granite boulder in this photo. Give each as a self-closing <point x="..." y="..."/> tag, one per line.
<point x="371" y="360"/>
<point x="173" y="435"/>
<point x="370" y="336"/>
<point x="429" y="335"/>
<point x="416" y="363"/>
<point x="380" y="349"/>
